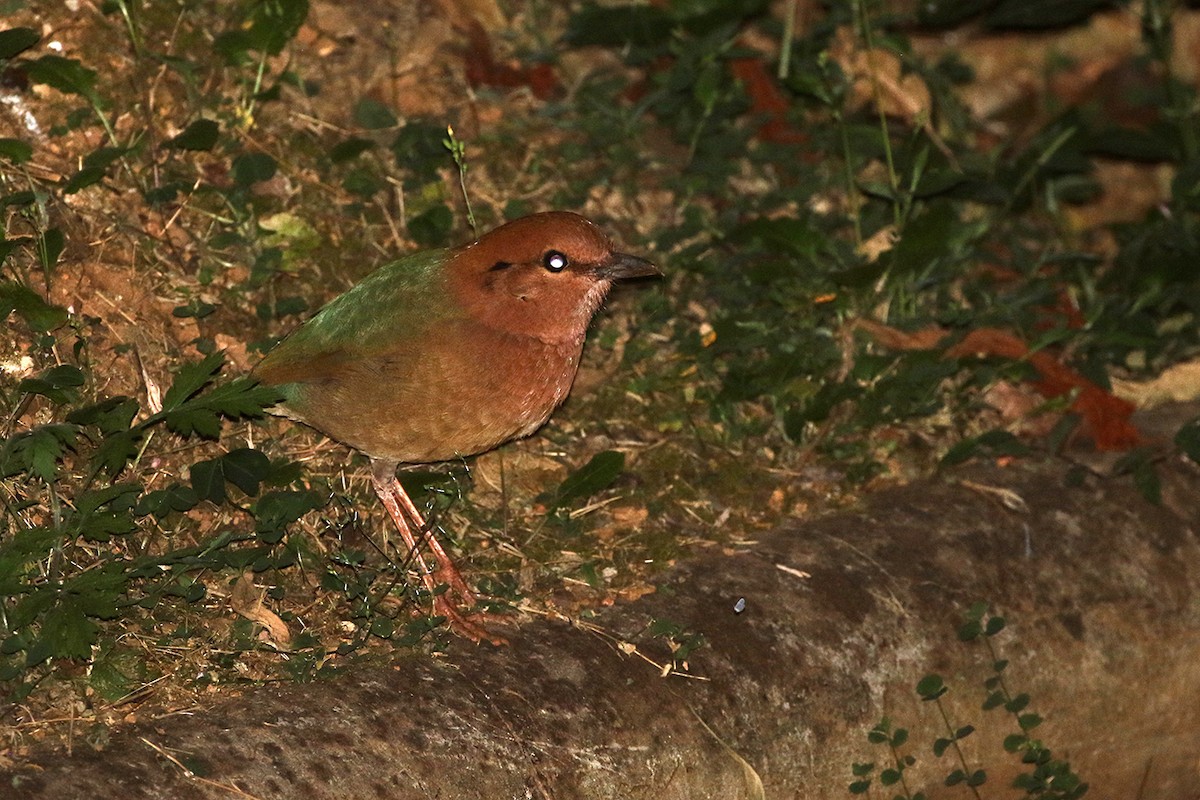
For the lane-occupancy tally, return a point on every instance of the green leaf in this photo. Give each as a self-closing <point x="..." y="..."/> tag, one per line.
<point x="40" y="315"/>
<point x="797" y="236"/>
<point x="931" y="687"/>
<point x="200" y="135"/>
<point x="190" y="379"/>
<point x="949" y="13"/>
<point x="246" y="468"/>
<point x="115" y="451"/>
<point x="16" y="554"/>
<point x="1188" y="440"/>
<point x="38" y="653"/>
<point x="350" y="148"/>
<point x="860" y="787"/>
<point x="119" y="496"/>
<point x="113" y="415"/>
<point x="57" y="383"/>
<point x="25" y="197"/>
<point x="363" y="181"/>
<point x="64" y="74"/>
<point x="9" y="246"/>
<point x="273" y="24"/>
<point x="956" y="777"/>
<point x="1145" y="478"/>
<point x="977" y="611"/>
<point x="102" y="527"/>
<point x="166" y="193"/>
<point x="940" y="744"/>
<point x="233" y="45"/>
<point x="15" y="41"/>
<point x="208" y="481"/>
<point x="12" y="645"/>
<point x="1039" y="14"/>
<point x="66" y="632"/>
<point x="162" y="502"/>
<point x="15" y="150"/>
<point x="95" y="167"/>
<point x="978" y="778"/>
<point x="275" y="510"/>
<point x="1029" y="721"/>
<point x="104" y="157"/>
<point x="108" y="680"/>
<point x="617" y="26"/>
<point x="994" y="626"/>
<point x="243" y="397"/>
<point x="383" y="627"/>
<point x="38" y="451"/>
<point x="101" y="514"/>
<point x="195" y="308"/>
<point x="49" y="247"/>
<point x="418" y="150"/>
<point x="432" y="228"/>
<point x="970" y="631"/>
<point x="1130" y="144"/>
<point x="88" y="176"/>
<point x="994" y="700"/>
<point x="1018" y="703"/>
<point x="251" y="168"/>
<point x="596" y="475"/>
<point x="372" y="115"/>
<point x="991" y="444"/>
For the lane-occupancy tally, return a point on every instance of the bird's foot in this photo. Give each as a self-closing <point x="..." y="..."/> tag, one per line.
<point x="468" y="626"/>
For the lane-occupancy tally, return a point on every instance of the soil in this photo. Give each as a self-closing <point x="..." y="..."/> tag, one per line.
<point x="810" y="636"/>
<point x="842" y="612"/>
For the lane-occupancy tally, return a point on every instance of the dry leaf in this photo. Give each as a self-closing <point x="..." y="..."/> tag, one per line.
<point x="880" y="242"/>
<point x="246" y="599"/>
<point x="1105" y="417"/>
<point x="879" y="80"/>
<point x="631" y="593"/>
<point x="629" y="516"/>
<point x="1178" y="384"/>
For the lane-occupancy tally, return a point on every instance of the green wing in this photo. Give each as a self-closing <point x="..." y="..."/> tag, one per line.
<point x="396" y="304"/>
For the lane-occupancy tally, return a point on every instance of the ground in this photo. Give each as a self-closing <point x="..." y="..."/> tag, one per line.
<point x="721" y="388"/>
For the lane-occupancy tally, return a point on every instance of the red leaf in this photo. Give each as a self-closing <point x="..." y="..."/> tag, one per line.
<point x="766" y="99"/>
<point x="482" y="69"/>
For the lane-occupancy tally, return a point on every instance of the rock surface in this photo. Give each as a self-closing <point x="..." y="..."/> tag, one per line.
<point x="1101" y="590"/>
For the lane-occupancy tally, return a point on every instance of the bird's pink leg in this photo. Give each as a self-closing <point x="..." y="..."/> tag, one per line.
<point x="446" y="570"/>
<point x="397" y="503"/>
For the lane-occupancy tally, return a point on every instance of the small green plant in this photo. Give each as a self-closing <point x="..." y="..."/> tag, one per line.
<point x="458" y="152"/>
<point x="898" y="762"/>
<point x="917" y="208"/>
<point x="1043" y="776"/>
<point x="84" y="538"/>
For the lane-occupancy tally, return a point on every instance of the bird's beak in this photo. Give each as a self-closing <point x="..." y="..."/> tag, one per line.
<point x="622" y="265"/>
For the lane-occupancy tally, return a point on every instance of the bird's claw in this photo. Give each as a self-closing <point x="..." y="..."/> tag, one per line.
<point x="466" y="626"/>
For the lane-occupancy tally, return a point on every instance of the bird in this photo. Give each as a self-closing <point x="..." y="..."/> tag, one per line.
<point x="444" y="354"/>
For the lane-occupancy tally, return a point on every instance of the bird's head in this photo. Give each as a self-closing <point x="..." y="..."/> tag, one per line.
<point x="543" y="275"/>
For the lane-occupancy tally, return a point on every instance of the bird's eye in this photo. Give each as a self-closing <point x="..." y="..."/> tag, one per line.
<point x="554" y="261"/>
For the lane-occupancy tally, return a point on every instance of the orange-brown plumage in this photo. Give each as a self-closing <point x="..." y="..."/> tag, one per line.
<point x="445" y="354"/>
